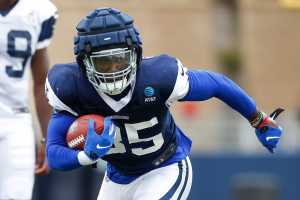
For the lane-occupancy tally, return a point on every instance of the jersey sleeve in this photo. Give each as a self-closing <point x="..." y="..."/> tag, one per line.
<point x="206" y="84"/>
<point x="47" y="16"/>
<point x="181" y="86"/>
<point x="60" y="91"/>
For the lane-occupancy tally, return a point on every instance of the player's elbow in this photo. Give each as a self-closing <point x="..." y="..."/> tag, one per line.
<point x="57" y="160"/>
<point x="51" y="158"/>
<point x="52" y="164"/>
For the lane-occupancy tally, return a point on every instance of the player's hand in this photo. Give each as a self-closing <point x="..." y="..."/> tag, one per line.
<point x="41" y="166"/>
<point x="268" y="132"/>
<point x="97" y="145"/>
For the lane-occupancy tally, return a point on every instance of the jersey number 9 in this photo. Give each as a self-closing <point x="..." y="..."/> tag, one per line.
<point x="13" y="38"/>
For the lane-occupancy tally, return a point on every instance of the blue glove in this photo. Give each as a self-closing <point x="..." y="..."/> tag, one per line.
<point x="268" y="132"/>
<point x="97" y="145"/>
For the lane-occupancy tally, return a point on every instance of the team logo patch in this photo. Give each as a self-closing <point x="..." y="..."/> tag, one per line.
<point x="149" y="91"/>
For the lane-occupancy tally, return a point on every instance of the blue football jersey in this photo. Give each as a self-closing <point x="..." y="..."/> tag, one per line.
<point x="147" y="136"/>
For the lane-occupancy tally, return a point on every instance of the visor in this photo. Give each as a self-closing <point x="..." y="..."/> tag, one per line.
<point x="111" y="61"/>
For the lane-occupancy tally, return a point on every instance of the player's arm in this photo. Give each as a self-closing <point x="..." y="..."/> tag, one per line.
<point x="59" y="156"/>
<point x="47" y="15"/>
<point x="39" y="67"/>
<point x="204" y="85"/>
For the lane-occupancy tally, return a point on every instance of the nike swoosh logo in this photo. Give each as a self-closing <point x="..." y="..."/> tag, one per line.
<point x="101" y="147"/>
<point x="272" y="137"/>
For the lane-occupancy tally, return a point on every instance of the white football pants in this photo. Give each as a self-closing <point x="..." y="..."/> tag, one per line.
<point x="170" y="182"/>
<point x="16" y="157"/>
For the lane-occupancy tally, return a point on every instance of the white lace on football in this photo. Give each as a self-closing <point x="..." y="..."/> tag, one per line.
<point x="76" y="141"/>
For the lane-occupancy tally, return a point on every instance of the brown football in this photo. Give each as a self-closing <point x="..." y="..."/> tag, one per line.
<point x="76" y="134"/>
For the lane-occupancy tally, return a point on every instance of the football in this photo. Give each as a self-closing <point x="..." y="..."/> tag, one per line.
<point x="76" y="134"/>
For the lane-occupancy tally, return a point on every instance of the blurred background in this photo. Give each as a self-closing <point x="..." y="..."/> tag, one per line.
<point x="254" y="42"/>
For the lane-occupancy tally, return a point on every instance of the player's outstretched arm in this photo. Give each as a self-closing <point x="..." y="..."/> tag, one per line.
<point x="204" y="85"/>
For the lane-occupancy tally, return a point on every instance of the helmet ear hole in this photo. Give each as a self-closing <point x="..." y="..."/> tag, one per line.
<point x="79" y="60"/>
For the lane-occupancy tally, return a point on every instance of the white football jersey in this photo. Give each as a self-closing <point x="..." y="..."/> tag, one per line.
<point x="27" y="27"/>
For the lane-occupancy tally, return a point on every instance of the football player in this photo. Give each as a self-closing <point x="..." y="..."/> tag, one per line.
<point x="26" y="28"/>
<point x="140" y="141"/>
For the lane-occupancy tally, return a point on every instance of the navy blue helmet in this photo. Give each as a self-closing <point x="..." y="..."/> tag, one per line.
<point x="108" y="49"/>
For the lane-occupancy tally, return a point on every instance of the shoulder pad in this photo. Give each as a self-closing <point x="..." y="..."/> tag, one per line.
<point x="46" y="15"/>
<point x="159" y="72"/>
<point x="61" y="86"/>
<point x="45" y="9"/>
